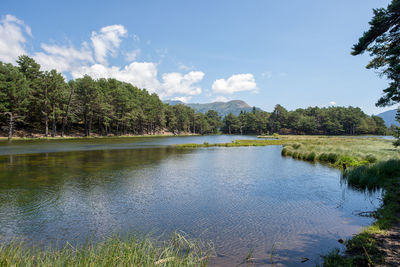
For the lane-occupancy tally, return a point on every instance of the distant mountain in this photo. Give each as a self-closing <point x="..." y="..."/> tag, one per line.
<point x="389" y="117"/>
<point x="223" y="108"/>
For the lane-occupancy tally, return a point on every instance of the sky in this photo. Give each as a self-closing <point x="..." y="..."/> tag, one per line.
<point x="288" y="52"/>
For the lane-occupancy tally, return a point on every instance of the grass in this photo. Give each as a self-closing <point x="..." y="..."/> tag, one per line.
<point x="4" y="138"/>
<point x="340" y="151"/>
<point x="362" y="249"/>
<point x="235" y="143"/>
<point x="177" y="251"/>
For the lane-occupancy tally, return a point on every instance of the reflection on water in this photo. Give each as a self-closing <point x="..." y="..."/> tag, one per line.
<point x="86" y="144"/>
<point x="241" y="198"/>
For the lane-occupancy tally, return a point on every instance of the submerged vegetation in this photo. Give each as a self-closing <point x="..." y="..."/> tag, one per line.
<point x="177" y="251"/>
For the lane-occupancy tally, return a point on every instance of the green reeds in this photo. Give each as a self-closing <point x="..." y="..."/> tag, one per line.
<point x="177" y="251"/>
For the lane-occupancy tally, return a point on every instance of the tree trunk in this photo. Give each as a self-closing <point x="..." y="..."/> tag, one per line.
<point x="66" y="113"/>
<point x="10" y="125"/>
<point x="46" y="116"/>
<point x="85" y="121"/>
<point x="53" y="128"/>
<point x="90" y="125"/>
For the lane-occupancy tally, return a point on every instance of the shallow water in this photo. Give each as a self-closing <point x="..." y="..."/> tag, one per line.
<point x="241" y="198"/>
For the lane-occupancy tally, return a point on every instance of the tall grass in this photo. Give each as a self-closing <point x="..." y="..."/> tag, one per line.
<point x="339" y="151"/>
<point x="362" y="249"/>
<point x="177" y="251"/>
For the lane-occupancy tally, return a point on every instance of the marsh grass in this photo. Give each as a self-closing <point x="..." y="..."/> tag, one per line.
<point x="235" y="143"/>
<point x="130" y="251"/>
<point x="362" y="249"/>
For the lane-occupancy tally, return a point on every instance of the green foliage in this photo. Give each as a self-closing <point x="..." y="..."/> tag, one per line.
<point x="382" y="42"/>
<point x="43" y="101"/>
<point x="327" y="121"/>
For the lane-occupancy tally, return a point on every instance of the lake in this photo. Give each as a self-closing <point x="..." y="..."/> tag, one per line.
<point x="240" y="198"/>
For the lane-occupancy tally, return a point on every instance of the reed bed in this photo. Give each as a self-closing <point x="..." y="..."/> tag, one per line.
<point x="130" y="251"/>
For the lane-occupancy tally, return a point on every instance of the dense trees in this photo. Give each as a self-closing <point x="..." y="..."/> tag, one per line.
<point x="313" y="120"/>
<point x="39" y="101"/>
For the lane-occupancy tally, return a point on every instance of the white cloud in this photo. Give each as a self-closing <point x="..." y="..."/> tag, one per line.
<point x="106" y="41"/>
<point x="63" y="58"/>
<point x="132" y="55"/>
<point x="235" y="83"/>
<point x="332" y="103"/>
<point x="140" y="74"/>
<point x="267" y="74"/>
<point x="12" y="38"/>
<point x="220" y="99"/>
<point x="184" y="99"/>
<point x="92" y="60"/>
<point x="183" y="67"/>
<point x="176" y="83"/>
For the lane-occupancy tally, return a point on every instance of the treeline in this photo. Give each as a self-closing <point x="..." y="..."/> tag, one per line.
<point x="43" y="102"/>
<point x="313" y="120"/>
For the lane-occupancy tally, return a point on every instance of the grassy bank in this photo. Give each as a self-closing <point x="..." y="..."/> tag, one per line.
<point x="235" y="143"/>
<point x="337" y="151"/>
<point x="95" y="137"/>
<point x="364" y="248"/>
<point x="332" y="150"/>
<point x="177" y="251"/>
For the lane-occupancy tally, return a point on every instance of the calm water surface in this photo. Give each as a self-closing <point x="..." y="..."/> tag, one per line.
<point x="241" y="198"/>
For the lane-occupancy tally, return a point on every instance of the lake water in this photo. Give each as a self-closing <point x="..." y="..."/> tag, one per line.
<point x="240" y="198"/>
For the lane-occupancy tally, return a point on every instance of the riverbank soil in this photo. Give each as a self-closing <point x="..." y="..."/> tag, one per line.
<point x="389" y="244"/>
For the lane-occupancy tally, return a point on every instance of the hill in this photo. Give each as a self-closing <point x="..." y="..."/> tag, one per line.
<point x="389" y="117"/>
<point x="223" y="108"/>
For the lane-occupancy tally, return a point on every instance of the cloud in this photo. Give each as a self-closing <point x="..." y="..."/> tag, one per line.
<point x="332" y="103"/>
<point x="140" y="74"/>
<point x="220" y="99"/>
<point x="235" y="83"/>
<point x="184" y="99"/>
<point x="106" y="41"/>
<point x="92" y="60"/>
<point x="63" y="58"/>
<point x="267" y="74"/>
<point x="132" y="55"/>
<point x="183" y="67"/>
<point x="12" y="38"/>
<point x="176" y="83"/>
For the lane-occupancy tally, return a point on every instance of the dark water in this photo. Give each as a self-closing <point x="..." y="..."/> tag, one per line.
<point x="241" y="198"/>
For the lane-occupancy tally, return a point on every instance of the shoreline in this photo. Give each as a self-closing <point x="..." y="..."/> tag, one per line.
<point x="72" y="137"/>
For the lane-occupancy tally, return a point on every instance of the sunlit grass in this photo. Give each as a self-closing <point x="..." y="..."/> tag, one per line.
<point x="177" y="251"/>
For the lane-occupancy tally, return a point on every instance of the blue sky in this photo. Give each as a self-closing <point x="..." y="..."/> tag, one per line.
<point x="293" y="53"/>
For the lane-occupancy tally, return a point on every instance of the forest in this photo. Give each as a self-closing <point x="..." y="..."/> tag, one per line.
<point x="43" y="102"/>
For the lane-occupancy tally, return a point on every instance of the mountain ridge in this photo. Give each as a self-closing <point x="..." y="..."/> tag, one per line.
<point x="223" y="108"/>
<point x="389" y="117"/>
